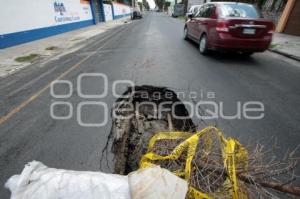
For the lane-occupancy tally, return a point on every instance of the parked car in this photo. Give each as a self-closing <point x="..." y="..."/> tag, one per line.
<point x="229" y="26"/>
<point x="178" y="10"/>
<point x="136" y="15"/>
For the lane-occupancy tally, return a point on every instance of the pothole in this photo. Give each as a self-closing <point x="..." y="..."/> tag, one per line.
<point x="204" y="158"/>
<point x="142" y="112"/>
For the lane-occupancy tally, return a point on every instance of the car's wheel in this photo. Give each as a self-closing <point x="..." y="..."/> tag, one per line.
<point x="203" y="45"/>
<point x="185" y="33"/>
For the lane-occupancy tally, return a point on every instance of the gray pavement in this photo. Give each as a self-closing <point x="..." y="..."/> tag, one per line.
<point x="148" y="51"/>
<point x="287" y="45"/>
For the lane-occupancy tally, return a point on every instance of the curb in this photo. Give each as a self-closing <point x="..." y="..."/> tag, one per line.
<point x="71" y="45"/>
<point x="285" y="54"/>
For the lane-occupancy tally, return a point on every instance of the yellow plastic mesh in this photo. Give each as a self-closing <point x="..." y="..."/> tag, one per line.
<point x="233" y="154"/>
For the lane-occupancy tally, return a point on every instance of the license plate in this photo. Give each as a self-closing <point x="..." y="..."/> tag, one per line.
<point x="249" y="31"/>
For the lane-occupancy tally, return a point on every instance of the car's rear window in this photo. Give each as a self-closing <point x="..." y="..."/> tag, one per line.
<point x="239" y="10"/>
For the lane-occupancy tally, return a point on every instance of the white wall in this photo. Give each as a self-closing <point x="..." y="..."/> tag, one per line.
<point x="108" y="12"/>
<point x="121" y="9"/>
<point x="20" y="15"/>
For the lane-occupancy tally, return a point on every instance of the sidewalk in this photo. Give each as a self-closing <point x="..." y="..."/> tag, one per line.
<point x="17" y="57"/>
<point x="287" y="45"/>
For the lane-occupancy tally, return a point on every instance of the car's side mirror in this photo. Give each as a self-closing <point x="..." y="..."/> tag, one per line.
<point x="190" y="15"/>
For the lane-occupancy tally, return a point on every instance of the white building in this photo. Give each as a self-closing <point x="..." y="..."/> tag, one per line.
<point x="27" y="20"/>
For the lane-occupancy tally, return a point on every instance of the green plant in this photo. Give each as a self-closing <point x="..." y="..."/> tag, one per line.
<point x="181" y="18"/>
<point x="260" y="3"/>
<point x="27" y="58"/>
<point x="52" y="48"/>
<point x="272" y="46"/>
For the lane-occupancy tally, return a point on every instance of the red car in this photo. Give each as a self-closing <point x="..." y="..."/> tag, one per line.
<point x="229" y="26"/>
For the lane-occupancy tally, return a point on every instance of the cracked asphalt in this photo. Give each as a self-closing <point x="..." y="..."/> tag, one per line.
<point x="148" y="51"/>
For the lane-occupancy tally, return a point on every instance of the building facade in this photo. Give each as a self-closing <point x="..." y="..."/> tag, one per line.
<point x="28" y="20"/>
<point x="289" y="22"/>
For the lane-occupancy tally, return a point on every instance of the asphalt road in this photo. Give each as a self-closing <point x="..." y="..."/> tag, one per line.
<point x="148" y="51"/>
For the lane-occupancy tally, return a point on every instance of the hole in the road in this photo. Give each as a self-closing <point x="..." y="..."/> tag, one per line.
<point x="144" y="111"/>
<point x="135" y="121"/>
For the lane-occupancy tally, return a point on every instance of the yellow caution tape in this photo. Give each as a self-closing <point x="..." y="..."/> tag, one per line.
<point x="233" y="154"/>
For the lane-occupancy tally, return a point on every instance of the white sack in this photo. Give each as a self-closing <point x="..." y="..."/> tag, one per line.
<point x="156" y="183"/>
<point x="40" y="182"/>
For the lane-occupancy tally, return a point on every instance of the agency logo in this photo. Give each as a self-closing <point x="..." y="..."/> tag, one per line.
<point x="202" y="106"/>
<point x="59" y="7"/>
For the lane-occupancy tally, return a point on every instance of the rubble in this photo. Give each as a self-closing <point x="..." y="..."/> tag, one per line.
<point x="219" y="168"/>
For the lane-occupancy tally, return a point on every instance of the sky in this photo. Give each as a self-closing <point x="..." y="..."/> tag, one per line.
<point x="150" y="2"/>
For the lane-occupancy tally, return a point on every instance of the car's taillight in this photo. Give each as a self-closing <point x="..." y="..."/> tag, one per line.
<point x="222" y="26"/>
<point x="272" y="30"/>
